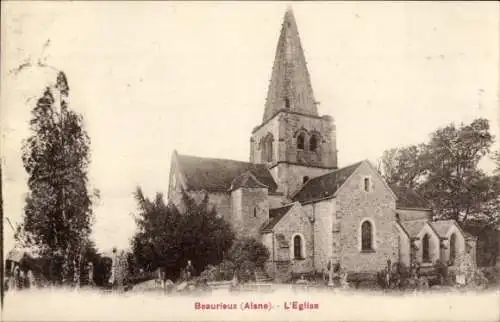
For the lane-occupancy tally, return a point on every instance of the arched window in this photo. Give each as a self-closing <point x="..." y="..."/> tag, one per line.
<point x="300" y="141"/>
<point x="287" y="103"/>
<point x="366" y="184"/>
<point x="313" y="143"/>
<point x="425" y="249"/>
<point x="453" y="248"/>
<point x="297" y="247"/>
<point x="267" y="149"/>
<point x="366" y="236"/>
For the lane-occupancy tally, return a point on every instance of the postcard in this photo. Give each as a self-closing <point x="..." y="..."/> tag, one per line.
<point x="250" y="161"/>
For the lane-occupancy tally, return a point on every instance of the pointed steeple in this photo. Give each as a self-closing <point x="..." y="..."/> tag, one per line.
<point x="290" y="86"/>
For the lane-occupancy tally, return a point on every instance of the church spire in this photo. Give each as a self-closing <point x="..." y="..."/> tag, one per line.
<point x="290" y="86"/>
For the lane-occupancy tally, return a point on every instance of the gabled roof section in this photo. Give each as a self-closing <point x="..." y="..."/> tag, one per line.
<point x="217" y="175"/>
<point x="275" y="216"/>
<point x="442" y="226"/>
<point x="413" y="228"/>
<point x="409" y="198"/>
<point x="246" y="180"/>
<point x="325" y="185"/>
<point x="290" y="85"/>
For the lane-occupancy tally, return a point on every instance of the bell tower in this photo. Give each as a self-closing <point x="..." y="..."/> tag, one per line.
<point x="293" y="140"/>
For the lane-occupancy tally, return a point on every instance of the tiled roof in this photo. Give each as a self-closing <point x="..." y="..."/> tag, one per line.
<point x="218" y="174"/>
<point x="408" y="198"/>
<point x="246" y="180"/>
<point x="326" y="185"/>
<point x="275" y="216"/>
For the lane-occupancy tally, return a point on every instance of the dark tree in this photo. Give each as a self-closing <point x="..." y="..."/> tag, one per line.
<point x="446" y="172"/>
<point x="58" y="213"/>
<point x="168" y="238"/>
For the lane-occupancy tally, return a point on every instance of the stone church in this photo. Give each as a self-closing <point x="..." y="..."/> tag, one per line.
<point x="293" y="196"/>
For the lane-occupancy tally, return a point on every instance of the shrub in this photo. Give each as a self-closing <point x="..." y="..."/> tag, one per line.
<point x="226" y="270"/>
<point x="246" y="271"/>
<point x="248" y="249"/>
<point x="210" y="273"/>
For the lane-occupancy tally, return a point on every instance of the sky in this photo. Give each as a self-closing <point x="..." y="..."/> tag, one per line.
<point x="151" y="77"/>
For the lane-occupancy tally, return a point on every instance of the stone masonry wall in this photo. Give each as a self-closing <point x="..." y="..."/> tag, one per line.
<point x="434" y="245"/>
<point x="295" y="221"/>
<point x="324" y="128"/>
<point x="323" y="213"/>
<point x="290" y="177"/>
<point x="285" y="128"/>
<point x="354" y="205"/>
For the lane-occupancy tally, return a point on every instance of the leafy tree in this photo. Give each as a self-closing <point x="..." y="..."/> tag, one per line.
<point x="446" y="172"/>
<point x="58" y="213"/>
<point x="403" y="166"/>
<point x="168" y="238"/>
<point x="496" y="159"/>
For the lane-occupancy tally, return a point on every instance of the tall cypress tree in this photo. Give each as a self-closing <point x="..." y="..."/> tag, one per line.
<point x="58" y="213"/>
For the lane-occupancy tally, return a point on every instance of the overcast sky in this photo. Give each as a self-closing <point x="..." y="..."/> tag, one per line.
<point x="153" y="77"/>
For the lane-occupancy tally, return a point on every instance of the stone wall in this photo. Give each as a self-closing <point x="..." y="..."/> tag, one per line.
<point x="250" y="208"/>
<point x="295" y="222"/>
<point x="325" y="220"/>
<point x="271" y="127"/>
<point x="434" y="245"/>
<point x="460" y="244"/>
<point x="285" y="128"/>
<point x="404" y="247"/>
<point x="290" y="177"/>
<point x="354" y="205"/>
<point x="323" y="128"/>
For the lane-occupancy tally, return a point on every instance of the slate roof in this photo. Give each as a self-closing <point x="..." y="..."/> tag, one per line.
<point x="408" y="198"/>
<point x="275" y="216"/>
<point x="218" y="174"/>
<point x="325" y="185"/>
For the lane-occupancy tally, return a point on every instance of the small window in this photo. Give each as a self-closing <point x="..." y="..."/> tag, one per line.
<point x="287" y="103"/>
<point x="255" y="212"/>
<point x="366" y="236"/>
<point x="313" y="143"/>
<point x="300" y="141"/>
<point x="366" y="184"/>
<point x="297" y="247"/>
<point x="425" y="249"/>
<point x="305" y="179"/>
<point x="453" y="249"/>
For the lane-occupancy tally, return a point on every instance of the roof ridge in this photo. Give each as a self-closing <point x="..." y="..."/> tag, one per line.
<point x="218" y="159"/>
<point x="308" y="182"/>
<point x="336" y="170"/>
